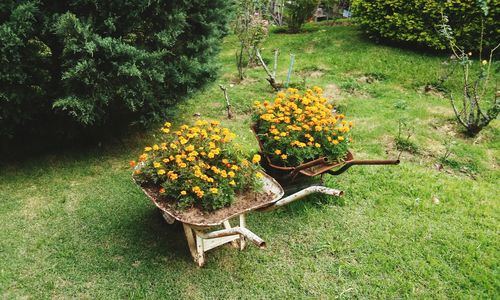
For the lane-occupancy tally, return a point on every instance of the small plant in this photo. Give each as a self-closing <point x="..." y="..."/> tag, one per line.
<point x="197" y="166"/>
<point x="401" y="104"/>
<point x="405" y="132"/>
<point x="297" y="128"/>
<point x="297" y="13"/>
<point x="470" y="111"/>
<point x="448" y="150"/>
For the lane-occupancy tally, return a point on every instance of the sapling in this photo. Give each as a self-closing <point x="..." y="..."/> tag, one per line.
<point x="470" y="112"/>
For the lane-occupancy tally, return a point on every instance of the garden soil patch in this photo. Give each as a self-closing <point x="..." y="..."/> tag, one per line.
<point x="244" y="202"/>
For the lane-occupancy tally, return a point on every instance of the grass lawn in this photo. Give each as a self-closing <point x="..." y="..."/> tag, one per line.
<point x="74" y="224"/>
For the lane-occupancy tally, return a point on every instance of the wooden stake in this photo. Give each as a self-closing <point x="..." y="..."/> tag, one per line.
<point x="292" y="60"/>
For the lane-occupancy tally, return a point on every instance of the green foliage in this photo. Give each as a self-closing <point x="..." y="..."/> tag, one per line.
<point x="251" y="28"/>
<point x="87" y="62"/>
<point x="297" y="12"/>
<point x="415" y="21"/>
<point x="124" y="249"/>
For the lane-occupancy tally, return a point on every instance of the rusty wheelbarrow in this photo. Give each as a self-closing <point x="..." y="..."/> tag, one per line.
<point x="318" y="167"/>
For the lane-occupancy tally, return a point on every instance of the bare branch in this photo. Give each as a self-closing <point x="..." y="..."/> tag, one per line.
<point x="228" y="105"/>
<point x="271" y="79"/>
<point x="459" y="118"/>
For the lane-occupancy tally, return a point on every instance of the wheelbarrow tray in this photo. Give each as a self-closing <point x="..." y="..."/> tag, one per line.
<point x="314" y="167"/>
<point x="244" y="202"/>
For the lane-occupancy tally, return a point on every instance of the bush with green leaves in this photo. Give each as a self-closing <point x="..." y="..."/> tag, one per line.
<point x="297" y="12"/>
<point x="83" y="63"/>
<point x="416" y="21"/>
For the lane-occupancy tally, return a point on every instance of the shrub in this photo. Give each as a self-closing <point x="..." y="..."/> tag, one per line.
<point x="251" y="29"/>
<point x="197" y="166"/>
<point x="87" y="62"/>
<point x="297" y="12"/>
<point x="474" y="112"/>
<point x="297" y="128"/>
<point x="415" y="21"/>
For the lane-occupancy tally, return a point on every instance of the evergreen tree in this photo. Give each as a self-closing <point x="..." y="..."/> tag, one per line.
<point x="88" y="62"/>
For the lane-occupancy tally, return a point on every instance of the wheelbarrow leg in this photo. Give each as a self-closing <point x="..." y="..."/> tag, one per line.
<point x="243" y="224"/>
<point x="195" y="245"/>
<point x="227" y="225"/>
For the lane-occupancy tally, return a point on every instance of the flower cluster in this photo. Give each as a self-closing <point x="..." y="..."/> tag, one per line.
<point x="297" y="128"/>
<point x="197" y="166"/>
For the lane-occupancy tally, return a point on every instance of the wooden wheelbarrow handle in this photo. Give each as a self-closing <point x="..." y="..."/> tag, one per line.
<point x="351" y="163"/>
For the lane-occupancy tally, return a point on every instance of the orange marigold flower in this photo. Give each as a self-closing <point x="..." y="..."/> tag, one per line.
<point x="132" y="163"/>
<point x="162" y="191"/>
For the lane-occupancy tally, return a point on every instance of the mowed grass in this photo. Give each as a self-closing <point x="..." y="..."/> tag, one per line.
<point x="75" y="226"/>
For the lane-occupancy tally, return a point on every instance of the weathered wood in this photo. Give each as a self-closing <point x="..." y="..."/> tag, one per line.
<point x="301" y="194"/>
<point x="243" y="224"/>
<point x="168" y="218"/>
<point x="188" y="231"/>
<point x="233" y="231"/>
<point x="271" y="79"/>
<point x="227" y="225"/>
<point x="209" y="244"/>
<point x="200" y="250"/>
<point x="228" y="104"/>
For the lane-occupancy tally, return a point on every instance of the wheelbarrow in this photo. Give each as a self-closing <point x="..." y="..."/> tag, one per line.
<point x="203" y="230"/>
<point x="290" y="176"/>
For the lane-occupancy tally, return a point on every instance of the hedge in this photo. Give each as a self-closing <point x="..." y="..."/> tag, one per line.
<point x="415" y="21"/>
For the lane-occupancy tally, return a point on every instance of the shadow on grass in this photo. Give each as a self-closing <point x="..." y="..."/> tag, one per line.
<point x="149" y="232"/>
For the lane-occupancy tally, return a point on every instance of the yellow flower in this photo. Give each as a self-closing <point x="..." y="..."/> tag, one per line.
<point x="147" y="149"/>
<point x="214" y="190"/>
<point x="232" y="182"/>
<point x="173" y="146"/>
<point x="341" y="138"/>
<point x="231" y="174"/>
<point x="256" y="159"/>
<point x="167" y="124"/>
<point x="161" y="172"/>
<point x="156" y="147"/>
<point x="156" y="164"/>
<point x="317" y="145"/>
<point x="259" y="175"/>
<point x="284" y="156"/>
